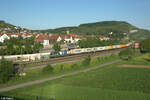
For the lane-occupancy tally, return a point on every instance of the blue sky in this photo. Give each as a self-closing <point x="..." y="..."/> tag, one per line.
<point x="46" y="14"/>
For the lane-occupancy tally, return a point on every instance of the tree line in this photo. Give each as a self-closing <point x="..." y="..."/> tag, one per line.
<point x="19" y="45"/>
<point x="95" y="42"/>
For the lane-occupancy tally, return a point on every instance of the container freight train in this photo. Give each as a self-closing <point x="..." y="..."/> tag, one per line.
<point x="44" y="56"/>
<point x="85" y="50"/>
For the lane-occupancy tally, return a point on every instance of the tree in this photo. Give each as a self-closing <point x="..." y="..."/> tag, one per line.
<point x="37" y="47"/>
<point x="48" y="69"/>
<point x="145" y="45"/>
<point x="87" y="61"/>
<point x="127" y="53"/>
<point x="74" y="65"/>
<point x="6" y="70"/>
<point x="20" y="46"/>
<point x="56" y="47"/>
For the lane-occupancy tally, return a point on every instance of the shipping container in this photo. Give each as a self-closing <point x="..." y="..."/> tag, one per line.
<point x="116" y="46"/>
<point x="100" y="48"/>
<point x="78" y="51"/>
<point x="89" y="49"/>
<point x="71" y="51"/>
<point x="136" y="45"/>
<point x="109" y="47"/>
<point x="123" y="46"/>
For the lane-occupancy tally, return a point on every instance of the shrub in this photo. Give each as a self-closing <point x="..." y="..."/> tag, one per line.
<point x="74" y="65"/>
<point x="145" y="45"/>
<point x="48" y="69"/>
<point x="127" y="53"/>
<point x="147" y="58"/>
<point x="61" y="67"/>
<point x="6" y="70"/>
<point x="98" y="59"/>
<point x="87" y="61"/>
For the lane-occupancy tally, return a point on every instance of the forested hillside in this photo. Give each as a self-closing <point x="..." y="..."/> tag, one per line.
<point x="98" y="28"/>
<point x="95" y="28"/>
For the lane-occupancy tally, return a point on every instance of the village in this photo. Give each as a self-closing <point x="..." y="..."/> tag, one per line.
<point x="68" y="41"/>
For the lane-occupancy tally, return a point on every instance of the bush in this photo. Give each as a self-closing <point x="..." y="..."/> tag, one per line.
<point x="87" y="61"/>
<point x="6" y="70"/>
<point x="147" y="58"/>
<point x="74" y="65"/>
<point x="61" y="67"/>
<point x="145" y="45"/>
<point x="127" y="54"/>
<point x="98" y="59"/>
<point x="48" y="69"/>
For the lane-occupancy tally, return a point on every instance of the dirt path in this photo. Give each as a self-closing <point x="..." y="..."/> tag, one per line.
<point x="55" y="77"/>
<point x="135" y="66"/>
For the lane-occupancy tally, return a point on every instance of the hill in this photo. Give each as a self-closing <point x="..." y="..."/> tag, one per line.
<point x="140" y="35"/>
<point x="6" y="27"/>
<point x="95" y="28"/>
<point x="98" y="28"/>
<point x="3" y="24"/>
<point x="102" y="28"/>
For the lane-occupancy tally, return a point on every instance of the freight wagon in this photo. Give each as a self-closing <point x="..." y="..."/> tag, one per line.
<point x="39" y="56"/>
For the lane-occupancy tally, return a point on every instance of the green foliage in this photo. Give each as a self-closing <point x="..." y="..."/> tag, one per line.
<point x="56" y="47"/>
<point x="74" y="65"/>
<point x="61" y="67"/>
<point x="6" y="70"/>
<point x="103" y="28"/>
<point x="48" y="69"/>
<point x="20" y="46"/>
<point x="95" y="42"/>
<point x="87" y="61"/>
<point x="128" y="53"/>
<point x="108" y="83"/>
<point x="140" y="35"/>
<point x="10" y="28"/>
<point x="95" y="28"/>
<point x="145" y="45"/>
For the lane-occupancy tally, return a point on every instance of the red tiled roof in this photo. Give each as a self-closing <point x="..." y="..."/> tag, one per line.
<point x="74" y="35"/>
<point x="54" y="37"/>
<point x="42" y="37"/>
<point x="9" y="34"/>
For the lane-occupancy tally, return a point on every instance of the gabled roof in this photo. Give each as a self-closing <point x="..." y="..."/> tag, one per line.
<point x="54" y="37"/>
<point x="41" y="37"/>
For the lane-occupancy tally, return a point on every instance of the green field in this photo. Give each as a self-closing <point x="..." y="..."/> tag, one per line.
<point x="108" y="83"/>
<point x="37" y="74"/>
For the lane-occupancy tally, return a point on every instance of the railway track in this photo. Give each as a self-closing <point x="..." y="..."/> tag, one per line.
<point x="74" y="56"/>
<point x="69" y="59"/>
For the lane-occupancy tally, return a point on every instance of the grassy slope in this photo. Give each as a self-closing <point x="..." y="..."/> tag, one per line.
<point x="37" y="74"/>
<point x="141" y="35"/>
<point x="108" y="83"/>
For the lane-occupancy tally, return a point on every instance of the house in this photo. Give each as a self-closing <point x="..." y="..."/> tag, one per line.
<point x="3" y="37"/>
<point x="13" y="35"/>
<point x="68" y="39"/>
<point x="71" y="38"/>
<point x="57" y="38"/>
<point x="26" y="35"/>
<point x="42" y="38"/>
<point x="75" y="37"/>
<point x="104" y="38"/>
<point x="46" y="39"/>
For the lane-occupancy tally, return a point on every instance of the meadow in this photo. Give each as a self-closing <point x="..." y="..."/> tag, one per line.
<point x="59" y="69"/>
<point x="108" y="83"/>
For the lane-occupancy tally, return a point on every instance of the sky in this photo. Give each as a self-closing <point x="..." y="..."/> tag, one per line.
<point x="50" y="14"/>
